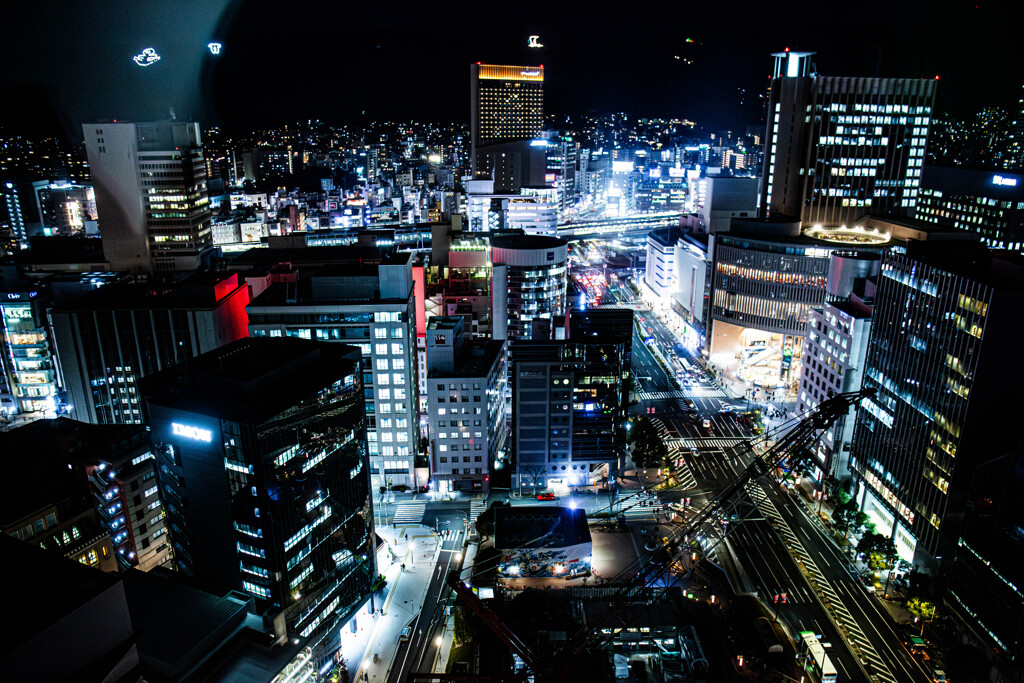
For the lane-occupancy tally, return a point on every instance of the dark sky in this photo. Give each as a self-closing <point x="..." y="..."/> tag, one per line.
<point x="65" y="62"/>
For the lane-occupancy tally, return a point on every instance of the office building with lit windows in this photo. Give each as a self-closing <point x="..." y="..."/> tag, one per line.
<point x="30" y="379"/>
<point x="840" y="148"/>
<point x="372" y="307"/>
<point x="530" y="274"/>
<point x="569" y="401"/>
<point x="113" y="467"/>
<point x="109" y="339"/>
<point x="151" y="195"/>
<point x="261" y="456"/>
<point x="988" y="203"/>
<point x="506" y="115"/>
<point x="944" y="327"/>
<point x="466" y="383"/>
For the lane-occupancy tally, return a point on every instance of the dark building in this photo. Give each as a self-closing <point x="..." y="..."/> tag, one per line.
<point x="109" y="339"/>
<point x="988" y="203"/>
<point x="984" y="594"/>
<point x="109" y="469"/>
<point x="841" y="148"/>
<point x="261" y="448"/>
<point x="946" y="319"/>
<point x="569" y="402"/>
<point x="72" y="621"/>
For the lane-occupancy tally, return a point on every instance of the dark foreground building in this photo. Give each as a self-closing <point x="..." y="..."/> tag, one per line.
<point x="262" y="459"/>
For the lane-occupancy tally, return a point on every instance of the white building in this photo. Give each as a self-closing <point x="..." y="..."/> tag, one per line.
<point x="151" y="197"/>
<point x="833" y="363"/>
<point x="466" y="396"/>
<point x="372" y="307"/>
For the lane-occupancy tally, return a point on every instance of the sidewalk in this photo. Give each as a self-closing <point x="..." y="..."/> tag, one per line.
<point x="377" y="634"/>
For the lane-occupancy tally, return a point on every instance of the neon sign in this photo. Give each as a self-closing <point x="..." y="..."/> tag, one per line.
<point x="147" y="57"/>
<point x="215" y="48"/>
<point x="534" y="41"/>
<point x="192" y="432"/>
<point x="1003" y="180"/>
<point x="530" y="72"/>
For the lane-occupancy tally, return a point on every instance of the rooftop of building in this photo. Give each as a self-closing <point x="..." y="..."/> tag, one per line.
<point x="666" y="237"/>
<point x="52" y="483"/>
<point x="178" y="626"/>
<point x="855" y="310"/>
<point x="476" y="359"/>
<point x="956" y="180"/>
<point x="527" y="242"/>
<point x="252" y="379"/>
<point x="43" y="588"/>
<point x="601" y="324"/>
<point x="339" y="255"/>
<point x="1002" y="270"/>
<point x="539" y="526"/>
<point x="305" y="290"/>
<point x="200" y="290"/>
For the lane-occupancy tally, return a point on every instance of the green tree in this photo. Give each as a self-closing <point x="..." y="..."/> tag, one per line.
<point x="845" y="518"/>
<point x="649" y="451"/>
<point x="880" y="549"/>
<point x="485" y="522"/>
<point x="463" y="632"/>
<point x="923" y="610"/>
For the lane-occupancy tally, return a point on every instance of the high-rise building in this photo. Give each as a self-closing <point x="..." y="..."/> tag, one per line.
<point x="372" y="307"/>
<point x="983" y="595"/>
<point x="30" y="382"/>
<point x="945" y="320"/>
<point x="261" y="453"/>
<point x="988" y="203"/>
<point x="1015" y="139"/>
<point x="506" y="114"/>
<point x="531" y="271"/>
<point x="466" y="383"/>
<point x="840" y="148"/>
<point x="569" y="401"/>
<point x="151" y="195"/>
<point x="109" y="339"/>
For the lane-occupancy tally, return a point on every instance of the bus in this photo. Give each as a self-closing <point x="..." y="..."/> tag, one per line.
<point x="813" y="658"/>
<point x="686" y="364"/>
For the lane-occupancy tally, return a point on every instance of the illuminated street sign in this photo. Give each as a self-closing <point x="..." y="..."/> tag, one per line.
<point x="534" y="42"/>
<point x="192" y="432"/>
<point x="147" y="57"/>
<point x="214" y="48"/>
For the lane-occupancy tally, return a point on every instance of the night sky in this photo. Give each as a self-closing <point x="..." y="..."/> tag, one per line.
<point x="283" y="61"/>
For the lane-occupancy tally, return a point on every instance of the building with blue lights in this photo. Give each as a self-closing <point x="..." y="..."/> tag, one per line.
<point x="940" y="357"/>
<point x="261" y="450"/>
<point x="569" y="400"/>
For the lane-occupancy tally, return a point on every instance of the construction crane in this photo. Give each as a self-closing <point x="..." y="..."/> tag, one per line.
<point x="642" y="575"/>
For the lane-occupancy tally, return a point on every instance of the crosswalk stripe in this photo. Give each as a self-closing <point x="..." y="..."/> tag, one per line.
<point x="409" y="513"/>
<point x="476" y="508"/>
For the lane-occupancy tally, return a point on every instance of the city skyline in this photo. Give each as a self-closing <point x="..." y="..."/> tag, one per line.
<point x="356" y="67"/>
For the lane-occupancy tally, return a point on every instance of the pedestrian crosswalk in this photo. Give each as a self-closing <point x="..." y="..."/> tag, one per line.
<point x="694" y="392"/>
<point x="712" y="443"/>
<point x="409" y="513"/>
<point x="476" y="507"/>
<point x="451" y="534"/>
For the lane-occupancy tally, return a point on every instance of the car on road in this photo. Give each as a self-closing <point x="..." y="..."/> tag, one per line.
<point x="690" y="404"/>
<point x="706" y="423"/>
<point x="546" y="496"/>
<point x="403" y="637"/>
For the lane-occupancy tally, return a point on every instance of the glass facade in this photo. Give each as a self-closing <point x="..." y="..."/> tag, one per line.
<point x="922" y="359"/>
<point x="28" y="359"/>
<point x="277" y="506"/>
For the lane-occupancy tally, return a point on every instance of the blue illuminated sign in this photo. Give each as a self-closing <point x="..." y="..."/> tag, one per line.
<point x="192" y="432"/>
<point x="147" y="57"/>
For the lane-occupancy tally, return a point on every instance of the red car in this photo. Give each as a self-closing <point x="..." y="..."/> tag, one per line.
<point x="546" y="496"/>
